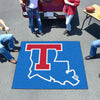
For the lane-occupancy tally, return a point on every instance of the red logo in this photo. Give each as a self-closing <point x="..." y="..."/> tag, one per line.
<point x="43" y="65"/>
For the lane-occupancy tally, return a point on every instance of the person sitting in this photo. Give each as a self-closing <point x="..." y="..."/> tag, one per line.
<point x="94" y="45"/>
<point x="6" y="44"/>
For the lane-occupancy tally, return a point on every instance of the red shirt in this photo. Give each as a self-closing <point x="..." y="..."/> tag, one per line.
<point x="71" y="9"/>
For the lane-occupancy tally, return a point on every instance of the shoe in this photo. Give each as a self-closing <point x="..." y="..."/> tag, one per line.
<point x="15" y="50"/>
<point x="41" y="34"/>
<point x="88" y="57"/>
<point x="68" y="33"/>
<point x="65" y="32"/>
<point x="13" y="61"/>
<point x="34" y="32"/>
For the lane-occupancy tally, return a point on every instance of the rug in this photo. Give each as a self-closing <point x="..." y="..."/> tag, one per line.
<point x="50" y="65"/>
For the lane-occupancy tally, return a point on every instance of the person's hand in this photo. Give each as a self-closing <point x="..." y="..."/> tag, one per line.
<point x="7" y="29"/>
<point x="22" y="4"/>
<point x="41" y="1"/>
<point x="72" y="4"/>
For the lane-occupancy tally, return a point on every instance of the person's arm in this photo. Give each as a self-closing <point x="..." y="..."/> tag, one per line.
<point x="21" y="2"/>
<point x="7" y="29"/>
<point x="68" y="3"/>
<point x="77" y="2"/>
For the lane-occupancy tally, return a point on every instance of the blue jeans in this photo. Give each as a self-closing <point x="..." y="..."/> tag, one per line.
<point x="6" y="39"/>
<point x="31" y="13"/>
<point x="68" y="20"/>
<point x="94" y="45"/>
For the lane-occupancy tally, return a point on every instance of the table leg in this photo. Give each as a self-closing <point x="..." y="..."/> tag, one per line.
<point x="87" y="16"/>
<point x="89" y="20"/>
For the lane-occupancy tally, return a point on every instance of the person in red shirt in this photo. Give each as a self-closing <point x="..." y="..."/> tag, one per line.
<point x="69" y="10"/>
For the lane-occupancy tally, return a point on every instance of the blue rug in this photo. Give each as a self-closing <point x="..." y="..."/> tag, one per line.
<point x="50" y="65"/>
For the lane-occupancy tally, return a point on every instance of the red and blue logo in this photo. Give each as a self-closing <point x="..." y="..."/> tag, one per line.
<point x="50" y="65"/>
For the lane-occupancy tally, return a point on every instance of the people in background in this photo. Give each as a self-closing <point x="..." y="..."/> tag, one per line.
<point x="6" y="44"/>
<point x="32" y="9"/>
<point x="69" y="10"/>
<point x="94" y="45"/>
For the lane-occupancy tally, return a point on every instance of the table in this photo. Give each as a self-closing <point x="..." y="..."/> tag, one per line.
<point x="91" y="15"/>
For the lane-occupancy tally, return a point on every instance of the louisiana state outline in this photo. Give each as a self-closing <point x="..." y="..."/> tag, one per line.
<point x="48" y="64"/>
